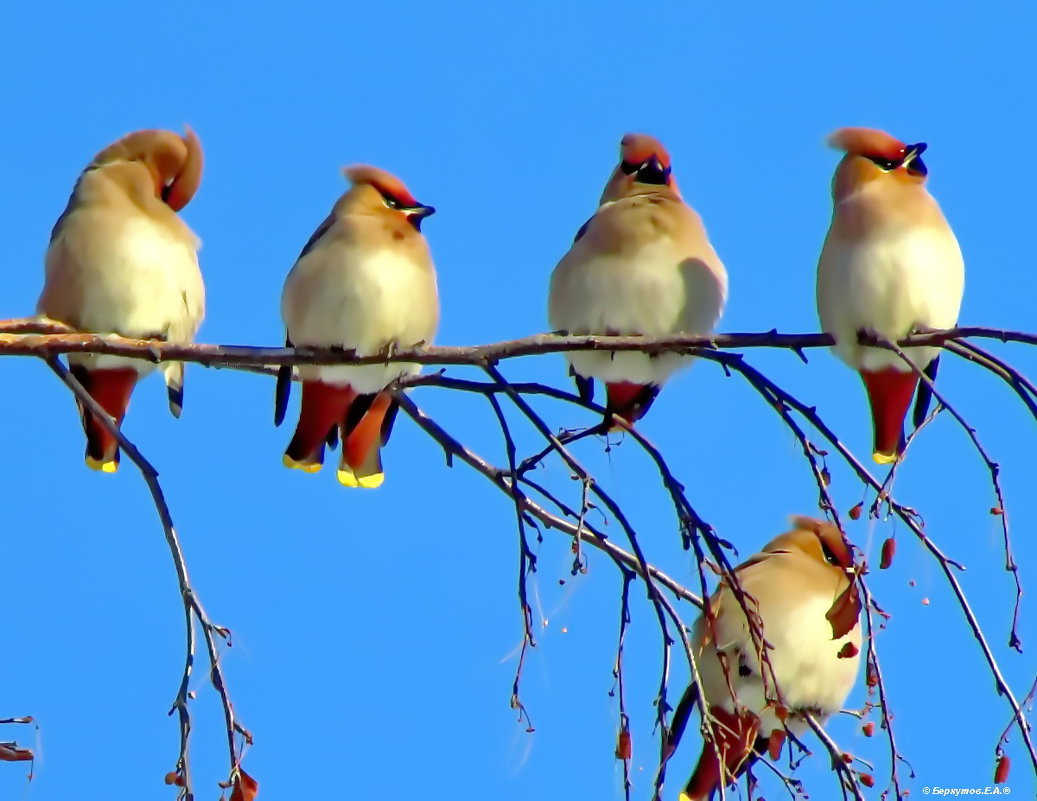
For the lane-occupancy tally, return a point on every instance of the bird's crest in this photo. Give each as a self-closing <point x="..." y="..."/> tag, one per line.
<point x="387" y="184"/>
<point x="868" y="142"/>
<point x="635" y="149"/>
<point x="174" y="161"/>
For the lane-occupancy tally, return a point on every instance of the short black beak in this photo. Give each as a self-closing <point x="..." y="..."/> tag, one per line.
<point x="913" y="159"/>
<point x="913" y="151"/>
<point x="415" y="214"/>
<point x="652" y="172"/>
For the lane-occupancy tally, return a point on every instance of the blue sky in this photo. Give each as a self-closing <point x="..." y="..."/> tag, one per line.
<point x="375" y="633"/>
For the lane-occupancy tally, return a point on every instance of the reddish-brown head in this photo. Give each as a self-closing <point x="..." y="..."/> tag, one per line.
<point x="870" y="154"/>
<point x="642" y="160"/>
<point x="391" y="191"/>
<point x="175" y="162"/>
<point x="636" y="150"/>
<point x="871" y="143"/>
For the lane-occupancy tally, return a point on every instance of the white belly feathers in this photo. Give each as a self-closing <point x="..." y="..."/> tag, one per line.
<point x="141" y="282"/>
<point x="653" y="294"/>
<point x="890" y="285"/>
<point x="368" y="302"/>
<point x="804" y="658"/>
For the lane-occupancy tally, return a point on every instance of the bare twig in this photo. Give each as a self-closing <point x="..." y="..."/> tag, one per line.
<point x="192" y="605"/>
<point x="876" y="682"/>
<point x="1027" y="701"/>
<point x="527" y="565"/>
<point x="624" y="559"/>
<point x="501" y="479"/>
<point x="838" y="764"/>
<point x="623" y="744"/>
<point x="1020" y="384"/>
<point x="1001" y="508"/>
<point x="662" y="707"/>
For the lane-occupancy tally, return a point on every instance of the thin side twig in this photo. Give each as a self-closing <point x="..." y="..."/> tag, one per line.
<point x="527" y="565"/>
<point x="192" y="605"/>
<point x="994" y="469"/>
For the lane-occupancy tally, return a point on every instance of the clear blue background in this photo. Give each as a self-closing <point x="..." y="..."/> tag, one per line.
<point x="375" y="633"/>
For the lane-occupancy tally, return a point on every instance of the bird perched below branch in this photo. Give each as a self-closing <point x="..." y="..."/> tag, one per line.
<point x="796" y="652"/>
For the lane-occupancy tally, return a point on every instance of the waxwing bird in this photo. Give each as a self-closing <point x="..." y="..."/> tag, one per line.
<point x="121" y="261"/>
<point x="364" y="282"/>
<point x="641" y="265"/>
<point x="800" y="656"/>
<point x="890" y="266"/>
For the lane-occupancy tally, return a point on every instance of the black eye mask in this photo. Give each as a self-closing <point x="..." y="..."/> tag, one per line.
<point x="415" y="214"/>
<point x="885" y="164"/>
<point x="915" y="166"/>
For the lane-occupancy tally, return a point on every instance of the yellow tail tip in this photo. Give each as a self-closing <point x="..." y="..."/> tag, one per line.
<point x="885" y="458"/>
<point x="683" y="797"/>
<point x="347" y="478"/>
<point x="306" y="467"/>
<point x="109" y="466"/>
<point x="372" y="481"/>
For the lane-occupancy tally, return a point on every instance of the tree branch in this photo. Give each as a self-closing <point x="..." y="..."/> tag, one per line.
<point x="41" y="337"/>
<point x="47" y="339"/>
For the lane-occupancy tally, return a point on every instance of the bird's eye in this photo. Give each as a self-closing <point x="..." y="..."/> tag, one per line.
<point x="628" y="168"/>
<point x="392" y="202"/>
<point x="830" y="556"/>
<point x="887" y="165"/>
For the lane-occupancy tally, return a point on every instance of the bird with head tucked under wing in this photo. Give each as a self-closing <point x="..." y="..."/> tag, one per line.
<point x="800" y="655"/>
<point x="641" y="265"/>
<point x="890" y="266"/>
<point x="121" y="261"/>
<point x="364" y="282"/>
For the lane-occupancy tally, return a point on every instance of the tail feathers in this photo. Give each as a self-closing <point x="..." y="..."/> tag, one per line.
<point x="925" y="394"/>
<point x="630" y="401"/>
<point x="584" y="385"/>
<point x="323" y="407"/>
<point x="174" y="373"/>
<point x="680" y="719"/>
<point x="356" y="412"/>
<point x="389" y="420"/>
<point x="890" y="392"/>
<point x="368" y="474"/>
<point x="737" y="742"/>
<point x="678" y="724"/>
<point x="362" y="441"/>
<point x="112" y="390"/>
<point x="283" y="389"/>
